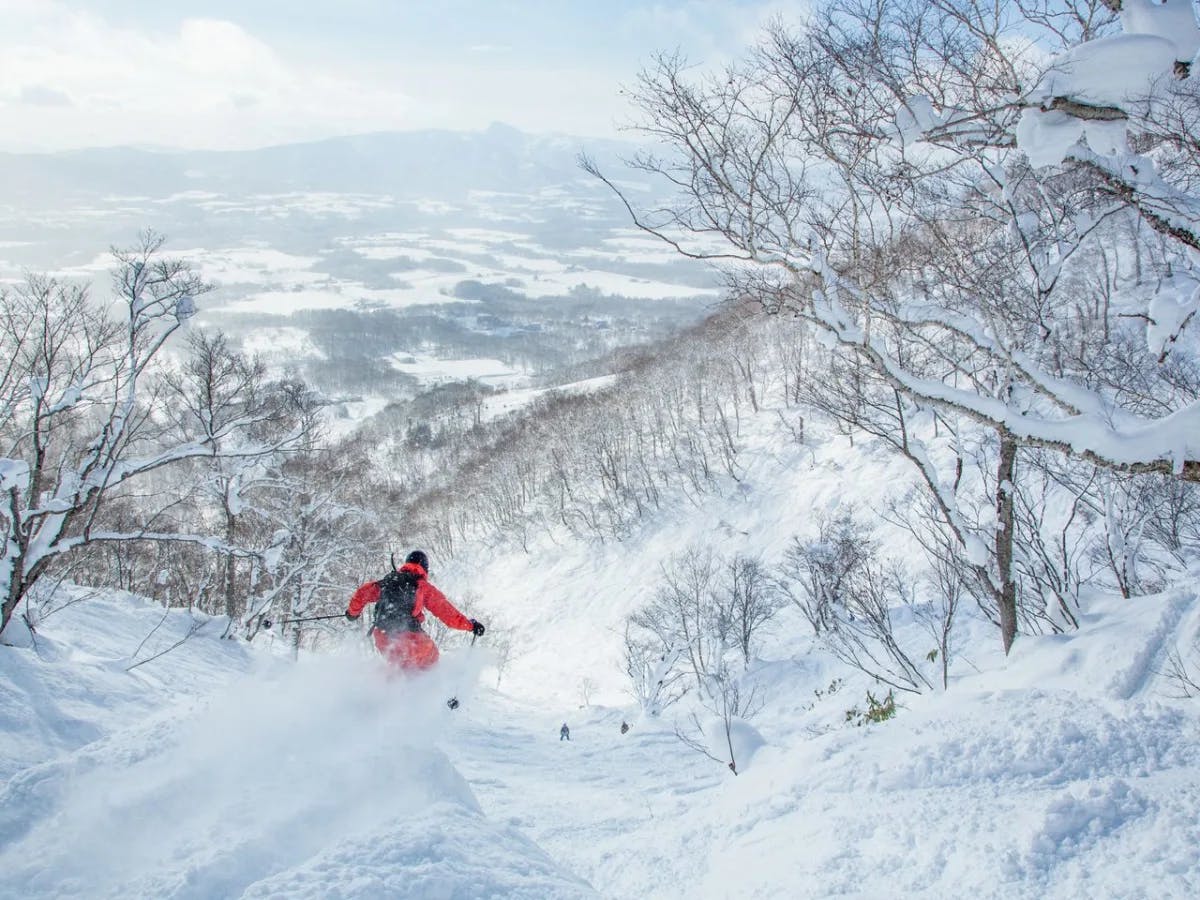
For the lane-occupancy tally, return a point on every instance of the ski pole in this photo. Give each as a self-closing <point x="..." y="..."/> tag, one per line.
<point x="453" y="701"/>
<point x="267" y="623"/>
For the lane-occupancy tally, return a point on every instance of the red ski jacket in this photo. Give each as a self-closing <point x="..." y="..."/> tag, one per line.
<point x="428" y="598"/>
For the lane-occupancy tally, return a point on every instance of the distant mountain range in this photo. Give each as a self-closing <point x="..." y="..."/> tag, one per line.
<point x="441" y="164"/>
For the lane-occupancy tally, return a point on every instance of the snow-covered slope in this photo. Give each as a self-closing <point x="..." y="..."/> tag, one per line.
<point x="78" y="681"/>
<point x="1058" y="773"/>
<point x="1064" y="770"/>
<point x="223" y="775"/>
<point x="566" y="598"/>
<point x="1061" y="773"/>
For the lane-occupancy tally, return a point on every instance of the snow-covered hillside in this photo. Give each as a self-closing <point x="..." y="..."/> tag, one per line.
<point x="216" y="772"/>
<point x="881" y="581"/>
<point x="221" y="770"/>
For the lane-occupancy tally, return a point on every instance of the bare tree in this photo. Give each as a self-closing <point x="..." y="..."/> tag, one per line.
<point x="501" y="645"/>
<point x="80" y="401"/>
<point x="653" y="676"/>
<point x="686" y="613"/>
<point x="214" y="387"/>
<point x="816" y="573"/>
<point x="949" y="587"/>
<point x="839" y="581"/>
<point x="751" y="598"/>
<point x="587" y="687"/>
<point x="865" y="638"/>
<point x="872" y="173"/>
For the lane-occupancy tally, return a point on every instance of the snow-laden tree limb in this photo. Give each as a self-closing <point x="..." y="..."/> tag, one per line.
<point x="1103" y="434"/>
<point x="945" y="191"/>
<point x="80" y="414"/>
<point x="730" y="191"/>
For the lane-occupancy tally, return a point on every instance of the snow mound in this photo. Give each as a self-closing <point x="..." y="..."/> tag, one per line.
<point x="1172" y="20"/>
<point x="1117" y="653"/>
<point x="741" y="739"/>
<point x="1108" y="71"/>
<point x="444" y="850"/>
<point x="71" y="682"/>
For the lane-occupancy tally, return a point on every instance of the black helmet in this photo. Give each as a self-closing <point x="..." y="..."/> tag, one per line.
<point x="418" y="557"/>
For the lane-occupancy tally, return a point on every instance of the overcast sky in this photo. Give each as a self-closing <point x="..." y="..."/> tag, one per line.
<point x="243" y="73"/>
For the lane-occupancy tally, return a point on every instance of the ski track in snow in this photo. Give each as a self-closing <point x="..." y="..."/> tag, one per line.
<point x="591" y="800"/>
<point x="1138" y="678"/>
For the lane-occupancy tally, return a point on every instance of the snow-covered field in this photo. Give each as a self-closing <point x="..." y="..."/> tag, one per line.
<point x="220" y="770"/>
<point x="429" y="267"/>
<point x="513" y="400"/>
<point x="266" y="276"/>
<point x="431" y="370"/>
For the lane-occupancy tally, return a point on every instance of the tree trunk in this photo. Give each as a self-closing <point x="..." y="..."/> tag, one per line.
<point x="295" y="614"/>
<point x="10" y="603"/>
<point x="1005" y="472"/>
<point x="230" y="579"/>
<point x="16" y="586"/>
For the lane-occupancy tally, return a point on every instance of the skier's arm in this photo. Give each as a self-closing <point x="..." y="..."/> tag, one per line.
<point x="435" y="601"/>
<point x="367" y="593"/>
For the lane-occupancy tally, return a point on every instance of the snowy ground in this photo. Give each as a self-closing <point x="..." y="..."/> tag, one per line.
<point x="252" y="777"/>
<point x="432" y="370"/>
<point x="511" y="401"/>
<point x="1062" y="772"/>
<point x="220" y="770"/>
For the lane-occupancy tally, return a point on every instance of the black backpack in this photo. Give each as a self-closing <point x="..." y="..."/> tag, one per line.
<point x="397" y="599"/>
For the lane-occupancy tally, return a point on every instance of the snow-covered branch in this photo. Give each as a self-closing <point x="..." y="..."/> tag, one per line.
<point x="81" y="415"/>
<point x="946" y="193"/>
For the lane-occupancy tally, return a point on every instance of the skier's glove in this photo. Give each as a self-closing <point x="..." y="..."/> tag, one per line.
<point x="352" y="617"/>
<point x="476" y="628"/>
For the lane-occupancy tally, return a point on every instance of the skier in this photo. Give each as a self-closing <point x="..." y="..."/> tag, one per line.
<point x="401" y="598"/>
<point x="564" y="733"/>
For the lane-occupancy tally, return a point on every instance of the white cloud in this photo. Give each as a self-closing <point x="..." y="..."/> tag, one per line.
<point x="70" y="78"/>
<point x="710" y="31"/>
<point x="207" y="84"/>
<point x="40" y="95"/>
